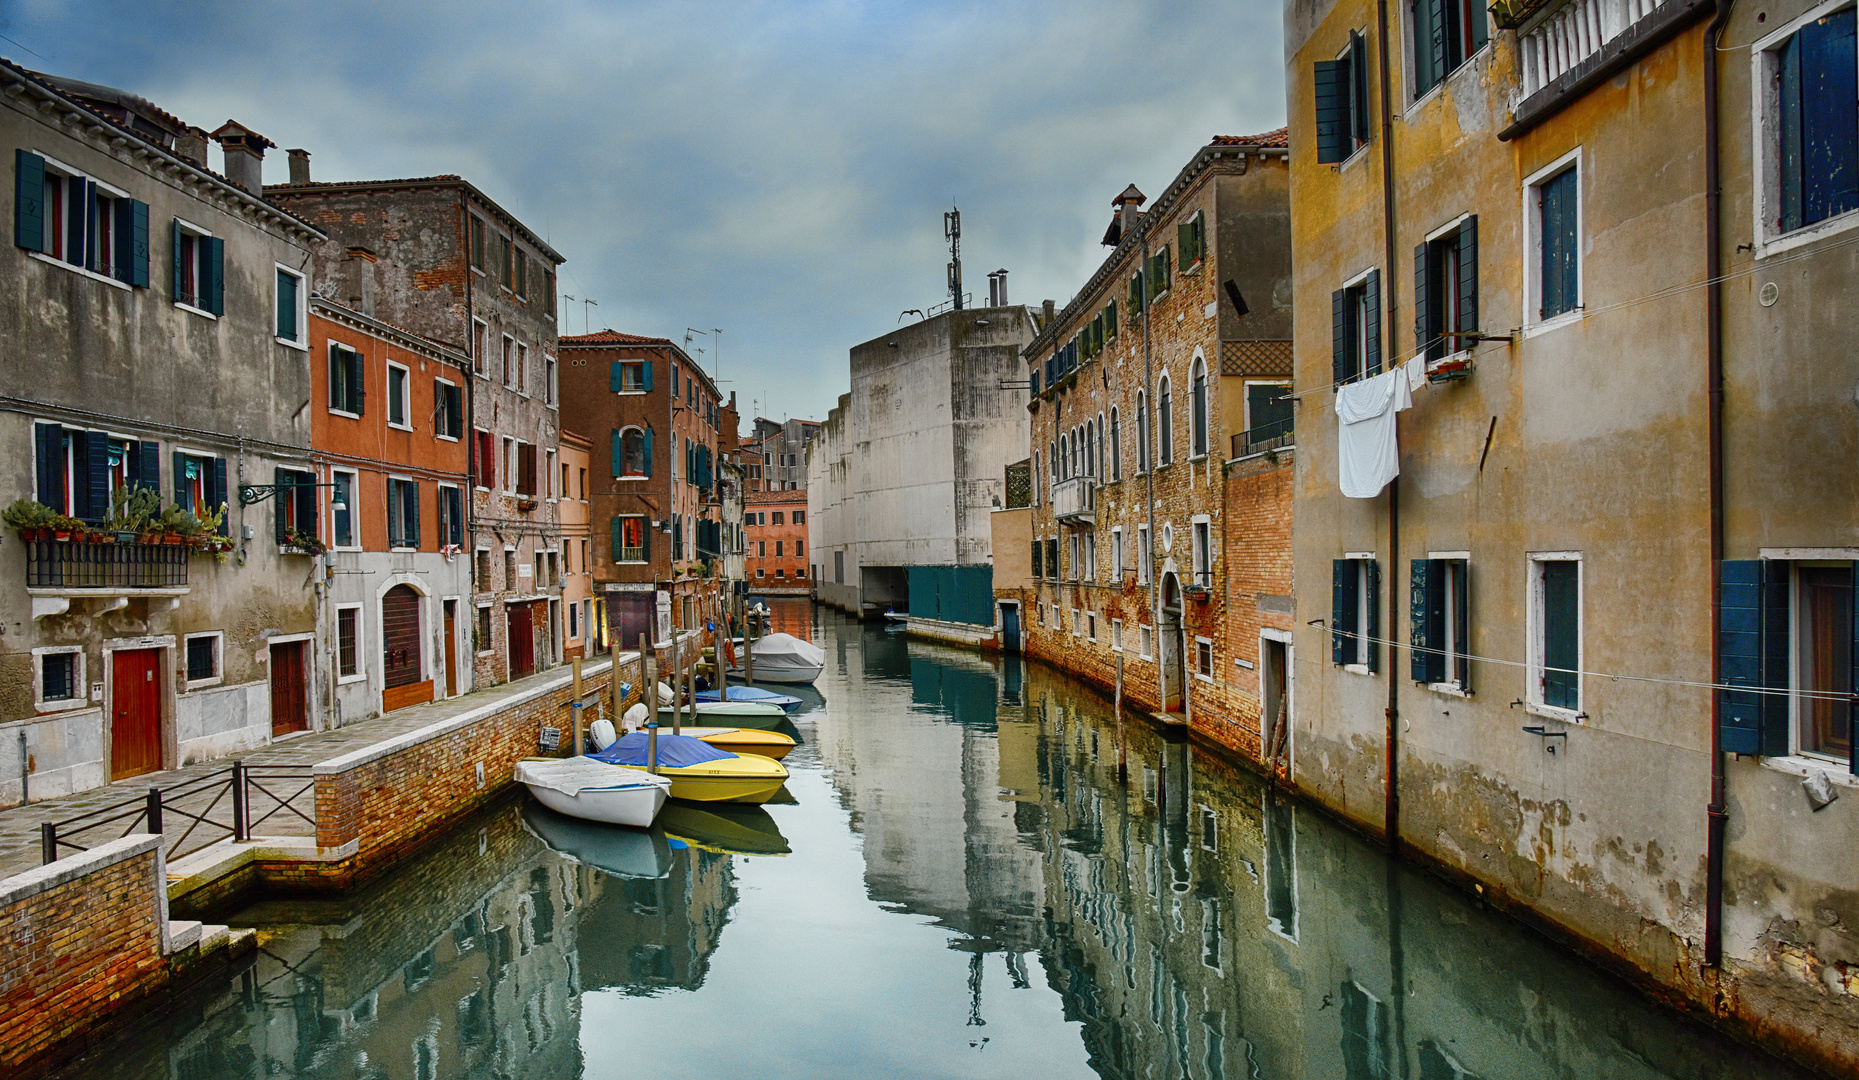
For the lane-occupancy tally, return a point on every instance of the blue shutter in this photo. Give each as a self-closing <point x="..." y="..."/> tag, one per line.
<point x="647" y="366"/>
<point x="1468" y="270"/>
<point x="178" y="278"/>
<point x="616" y="449"/>
<point x="29" y="201"/>
<point x="1561" y="647"/>
<point x="1424" y="330"/>
<point x="1752" y="627"/>
<point x="613" y="542"/>
<point x="180" y="481"/>
<point x="1332" y="103"/>
<point x="1426" y="601"/>
<point x="1371" y="647"/>
<point x="413" y="514"/>
<point x="1461" y="601"/>
<point x="97" y="478"/>
<point x="1481" y="32"/>
<point x="1343" y="606"/>
<point x="77" y="221"/>
<point x="1341" y="359"/>
<point x="148" y="465"/>
<point x="1358" y="102"/>
<point x="287" y="306"/>
<point x="1434" y="39"/>
<point x="49" y="454"/>
<point x="1558" y="214"/>
<point x="648" y="451"/>
<point x="615" y="376"/>
<point x="216" y="496"/>
<point x="216" y="275"/>
<point x="1371" y="328"/>
<point x="138" y="244"/>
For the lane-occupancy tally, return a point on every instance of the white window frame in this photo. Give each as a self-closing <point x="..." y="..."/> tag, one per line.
<point x="1116" y="554"/>
<point x="79" y="676"/>
<point x="1145" y="556"/>
<point x="1090" y="625"/>
<point x="218" y="638"/>
<point x="1533" y="324"/>
<point x="1164" y="447"/>
<point x="302" y="341"/>
<point x="354" y="511"/>
<point x="1201" y="539"/>
<point x="1534" y="665"/>
<point x="522" y="368"/>
<point x="484" y="606"/>
<point x="549" y="467"/>
<point x="406" y="404"/>
<point x="509" y="466"/>
<point x="58" y="168"/>
<point x="361" y="642"/>
<point x="198" y="233"/>
<point x="464" y="513"/>
<point x="480" y="346"/>
<point x="438" y="432"/>
<point x="1797" y="748"/>
<point x="507" y="345"/>
<point x="1765" y="127"/>
<point x="549" y="384"/>
<point x="477" y="481"/>
<point x="1212" y="661"/>
<point x="1146" y="641"/>
<point x="1201" y="427"/>
<point x="387" y="514"/>
<point x="1358" y="630"/>
<point x="647" y="531"/>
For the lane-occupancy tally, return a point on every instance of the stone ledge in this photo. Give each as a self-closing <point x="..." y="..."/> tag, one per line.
<point x="45" y="878"/>
<point x="216" y="860"/>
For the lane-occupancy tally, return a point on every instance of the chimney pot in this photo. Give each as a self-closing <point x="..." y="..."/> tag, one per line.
<point x="245" y="155"/>
<point x="299" y="166"/>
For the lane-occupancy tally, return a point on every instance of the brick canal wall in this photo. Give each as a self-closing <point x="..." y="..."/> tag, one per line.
<point x="83" y="936"/>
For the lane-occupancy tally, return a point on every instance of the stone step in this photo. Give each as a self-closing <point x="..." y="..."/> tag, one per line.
<point x="182" y="934"/>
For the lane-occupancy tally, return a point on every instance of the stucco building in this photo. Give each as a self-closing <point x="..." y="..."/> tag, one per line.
<point x="775" y="535"/>
<point x="572" y="511"/>
<point x="1609" y="236"/>
<point x="157" y="342"/>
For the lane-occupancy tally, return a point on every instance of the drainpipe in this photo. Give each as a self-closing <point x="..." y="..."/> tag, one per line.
<point x="1715" y="815"/>
<point x="472" y="464"/>
<point x="1390" y="769"/>
<point x="1148" y="455"/>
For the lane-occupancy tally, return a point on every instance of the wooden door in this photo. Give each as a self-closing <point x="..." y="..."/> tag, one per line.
<point x="402" y="661"/>
<point x="451" y="648"/>
<point x="522" y="640"/>
<point x="135" y="712"/>
<point x="290" y="701"/>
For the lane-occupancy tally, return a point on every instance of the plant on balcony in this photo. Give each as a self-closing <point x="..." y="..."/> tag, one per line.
<point x="133" y="512"/>
<point x="32" y="518"/>
<point x="302" y="543"/>
<point x="64" y="527"/>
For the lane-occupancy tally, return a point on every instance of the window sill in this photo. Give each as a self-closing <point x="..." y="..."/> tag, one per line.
<point x="300" y="346"/>
<point x="1555" y="712"/>
<point x="190" y="685"/>
<point x="1806" y="234"/>
<point x="349" y="680"/>
<point x="60" y="705"/>
<point x="443" y="438"/>
<point x="400" y="427"/>
<point x="81" y="271"/>
<point x="1450" y="689"/>
<point x="1358" y="669"/>
<point x="345" y="414"/>
<point x="1800" y="765"/>
<point x="1567" y="318"/>
<point x="1208" y="679"/>
<point x="202" y="312"/>
<point x="625" y="478"/>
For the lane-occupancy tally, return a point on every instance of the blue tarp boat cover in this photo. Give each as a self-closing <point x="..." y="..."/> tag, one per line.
<point x="749" y="693"/>
<point x="674" y="751"/>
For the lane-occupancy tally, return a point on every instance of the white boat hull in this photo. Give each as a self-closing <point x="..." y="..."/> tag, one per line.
<point x="636" y="805"/>
<point x="771" y="673"/>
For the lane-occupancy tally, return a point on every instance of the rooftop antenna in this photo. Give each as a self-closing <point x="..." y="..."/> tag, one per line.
<point x="952" y="231"/>
<point x="585" y="304"/>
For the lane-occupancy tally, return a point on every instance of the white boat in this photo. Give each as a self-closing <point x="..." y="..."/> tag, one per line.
<point x="755" y="714"/>
<point x="594" y="790"/>
<point x="784" y="658"/>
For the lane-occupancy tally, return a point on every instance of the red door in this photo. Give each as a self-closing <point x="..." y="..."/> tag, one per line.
<point x="290" y="703"/>
<point x="135" y="712"/>
<point x="522" y="641"/>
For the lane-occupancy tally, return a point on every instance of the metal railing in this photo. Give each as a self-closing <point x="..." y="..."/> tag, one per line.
<point x="1273" y="436"/>
<point x="215" y="806"/>
<point x="55" y="564"/>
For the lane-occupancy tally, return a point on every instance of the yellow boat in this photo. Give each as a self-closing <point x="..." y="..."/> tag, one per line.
<point x="769" y="744"/>
<point x="744" y="778"/>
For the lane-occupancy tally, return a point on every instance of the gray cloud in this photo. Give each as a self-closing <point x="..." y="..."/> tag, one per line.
<point x="775" y="169"/>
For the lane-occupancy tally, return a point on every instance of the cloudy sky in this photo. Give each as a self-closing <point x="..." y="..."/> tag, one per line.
<point x="778" y="170"/>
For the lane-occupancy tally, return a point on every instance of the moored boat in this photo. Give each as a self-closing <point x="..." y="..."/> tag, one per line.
<point x="784" y="658"/>
<point x="769" y="744"/>
<point x="751" y="714"/>
<point x="698" y="771"/>
<point x="787" y="702"/>
<point x="594" y="790"/>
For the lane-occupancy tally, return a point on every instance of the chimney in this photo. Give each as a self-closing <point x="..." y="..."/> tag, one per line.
<point x="997" y="288"/>
<point x="358" y="280"/>
<point x="191" y="146"/>
<point x="1128" y="210"/>
<point x="299" y="166"/>
<point x="1051" y="313"/>
<point x="245" y="155"/>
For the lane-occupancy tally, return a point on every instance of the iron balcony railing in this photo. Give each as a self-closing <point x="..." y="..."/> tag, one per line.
<point x="1273" y="436"/>
<point x="57" y="564"/>
<point x="203" y="810"/>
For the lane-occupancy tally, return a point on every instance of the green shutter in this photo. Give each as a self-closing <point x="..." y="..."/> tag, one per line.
<point x="1371" y="647"/>
<point x="646" y="370"/>
<point x="616" y="378"/>
<point x="613" y="544"/>
<point x="1423" y="314"/>
<point x="1136" y="294"/>
<point x="1358" y="72"/>
<point x="616" y="449"/>
<point x="1561" y="657"/>
<point x="1110" y="321"/>
<point x="279" y="477"/>
<point x="1753" y="643"/>
<point x="287" y="306"/>
<point x="1426" y="601"/>
<point x="648" y="451"/>
<point x="1468" y="270"/>
<point x="180" y="481"/>
<point x="148" y="465"/>
<point x="413" y="515"/>
<point x="1341" y="360"/>
<point x="358" y="383"/>
<point x="1343" y="607"/>
<point x="1430" y="42"/>
<point x="28" y="200"/>
<point x="1371" y="319"/>
<point x="1332" y="106"/>
<point x="216" y="495"/>
<point x="216" y="275"/>
<point x="179" y="279"/>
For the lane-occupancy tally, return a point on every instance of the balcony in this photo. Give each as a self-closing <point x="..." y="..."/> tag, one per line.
<point x="1276" y="435"/>
<point x="67" y="565"/>
<point x="1075" y="500"/>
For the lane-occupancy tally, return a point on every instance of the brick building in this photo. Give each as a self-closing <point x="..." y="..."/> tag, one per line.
<point x="438" y="257"/>
<point x="573" y="510"/>
<point x="655" y="510"/>
<point x="777" y="453"/>
<point x="1174" y="355"/>
<point x="775" y="527"/>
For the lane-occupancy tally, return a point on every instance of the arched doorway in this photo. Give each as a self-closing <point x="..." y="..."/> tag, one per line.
<point x="403" y="669"/>
<point x="1168" y="643"/>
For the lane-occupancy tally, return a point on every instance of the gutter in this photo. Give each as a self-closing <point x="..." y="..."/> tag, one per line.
<point x="1391" y="762"/>
<point x="1716" y="816"/>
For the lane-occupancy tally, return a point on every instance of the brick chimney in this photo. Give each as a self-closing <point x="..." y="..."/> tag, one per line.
<point x="191" y="146"/>
<point x="299" y="166"/>
<point x="1128" y="210"/>
<point x="245" y="155"/>
<point x="358" y="280"/>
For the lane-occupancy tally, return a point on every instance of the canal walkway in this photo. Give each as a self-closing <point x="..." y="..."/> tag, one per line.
<point x="19" y="826"/>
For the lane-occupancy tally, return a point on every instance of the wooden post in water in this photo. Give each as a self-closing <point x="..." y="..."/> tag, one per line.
<point x="677" y="685"/>
<point x="748" y="646"/>
<point x="1123" y="764"/>
<point x="648" y="676"/>
<point x="574" y="714"/>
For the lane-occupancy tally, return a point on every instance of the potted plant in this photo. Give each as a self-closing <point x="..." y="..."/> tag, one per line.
<point x="302" y="543"/>
<point x="132" y="513"/>
<point x="31" y="517"/>
<point x="180" y="526"/>
<point x="63" y="526"/>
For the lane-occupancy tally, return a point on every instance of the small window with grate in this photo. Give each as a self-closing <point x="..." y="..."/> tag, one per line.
<point x="202" y="658"/>
<point x="58" y="676"/>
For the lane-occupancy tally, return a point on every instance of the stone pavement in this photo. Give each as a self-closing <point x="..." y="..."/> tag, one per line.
<point x="19" y="826"/>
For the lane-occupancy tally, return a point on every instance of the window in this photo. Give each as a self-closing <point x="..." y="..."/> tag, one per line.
<point x="481" y="634"/>
<point x="1446" y="34"/>
<point x="74" y="219"/>
<point x="635" y="453"/>
<point x="1790" y="624"/>
<point x="1136" y="301"/>
<point x="1355" y="612"/>
<point x="448" y="410"/>
<point x="1145" y="558"/>
<point x="1197" y="407"/>
<point x="574" y="622"/>
<point x="631" y="539"/>
<point x="1269" y="414"/>
<point x="348" y="642"/>
<point x="203" y="653"/>
<point x="475" y="241"/>
<point x="509" y="362"/>
<point x="1116" y="553"/>
<point x="800" y="517"/>
<point x="199" y="269"/>
<point x="291" y="300"/>
<point x="1824" y="630"/>
<point x="1052" y="557"/>
<point x="520" y="283"/>
<point x="61" y="677"/>
<point x="403" y="514"/>
<point x="629" y="376"/>
<point x="398" y="408"/>
<point x="761" y="549"/>
<point x="296" y="504"/>
<point x="1116" y="635"/>
<point x="1156" y="272"/>
<point x="548" y="379"/>
<point x="522" y="368"/>
<point x="509" y="568"/>
<point x="583" y="485"/>
<point x="1203" y="552"/>
<point x="777" y="517"/>
<point x="1440" y="591"/>
<point x="1165" y="420"/>
<point x="548" y="473"/>
<point x="1355" y="329"/>
<point x="1552" y="215"/>
<point x="525" y="469"/>
<point x="485" y="462"/>
<point x="342" y="509"/>
<point x="1191" y="237"/>
<point x="1144" y="639"/>
<point x="1039" y="558"/>
<point x="1554" y="680"/>
<point x="481" y="570"/>
<point x="1815" y="174"/>
<point x="777" y="549"/>
<point x="1342" y="101"/>
<point x="1204" y="659"/>
<point x="347" y="380"/>
<point x="451" y="516"/>
<point x="480" y="347"/>
<point x="200" y="485"/>
<point x="506" y="261"/>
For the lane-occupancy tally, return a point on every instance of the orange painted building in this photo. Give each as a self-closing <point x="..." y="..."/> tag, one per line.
<point x="775" y="525"/>
<point x="390" y="495"/>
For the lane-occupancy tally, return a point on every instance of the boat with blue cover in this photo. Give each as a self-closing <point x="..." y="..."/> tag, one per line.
<point x="699" y="771"/>
<point x="752" y="694"/>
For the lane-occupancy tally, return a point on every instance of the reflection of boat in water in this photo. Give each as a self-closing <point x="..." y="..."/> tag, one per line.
<point x="699" y="771"/>
<point x="627" y="853"/>
<point x="897" y="618"/>
<point x="732" y="828"/>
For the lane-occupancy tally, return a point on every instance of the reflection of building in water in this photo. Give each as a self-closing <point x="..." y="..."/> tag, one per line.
<point x="646" y="934"/>
<point x="920" y="771"/>
<point x="791" y="615"/>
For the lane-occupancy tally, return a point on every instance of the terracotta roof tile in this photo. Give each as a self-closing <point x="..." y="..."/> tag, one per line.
<point x="611" y="337"/>
<point x="1280" y="137"/>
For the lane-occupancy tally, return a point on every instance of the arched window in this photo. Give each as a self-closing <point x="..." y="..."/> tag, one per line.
<point x="1058" y="461"/>
<point x="1197" y="409"/>
<point x="1090" y="448"/>
<point x="1142" y="432"/>
<point x="1103" y="463"/>
<point x="635" y="453"/>
<point x="1165" y="420"/>
<point x="1115" y="460"/>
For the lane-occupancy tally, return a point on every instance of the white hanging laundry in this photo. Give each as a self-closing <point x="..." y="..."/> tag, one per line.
<point x="1367" y="456"/>
<point x="1416" y="372"/>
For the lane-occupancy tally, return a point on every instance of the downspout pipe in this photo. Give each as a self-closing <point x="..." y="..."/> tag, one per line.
<point x="1716" y="816"/>
<point x="1391" y="762"/>
<point x="472" y="463"/>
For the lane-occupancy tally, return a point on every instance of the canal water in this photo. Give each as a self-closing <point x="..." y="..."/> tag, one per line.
<point x="959" y="886"/>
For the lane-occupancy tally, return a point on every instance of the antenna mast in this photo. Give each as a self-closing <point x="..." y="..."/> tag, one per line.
<point x="952" y="229"/>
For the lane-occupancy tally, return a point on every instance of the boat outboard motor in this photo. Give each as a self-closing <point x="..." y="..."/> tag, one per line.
<point x="634" y="718"/>
<point x="601" y="733"/>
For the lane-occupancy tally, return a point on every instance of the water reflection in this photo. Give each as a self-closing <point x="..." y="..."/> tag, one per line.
<point x="985" y="875"/>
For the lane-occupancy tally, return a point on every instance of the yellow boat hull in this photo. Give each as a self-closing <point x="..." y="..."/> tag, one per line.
<point x="745" y="778"/>
<point x="769" y="744"/>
